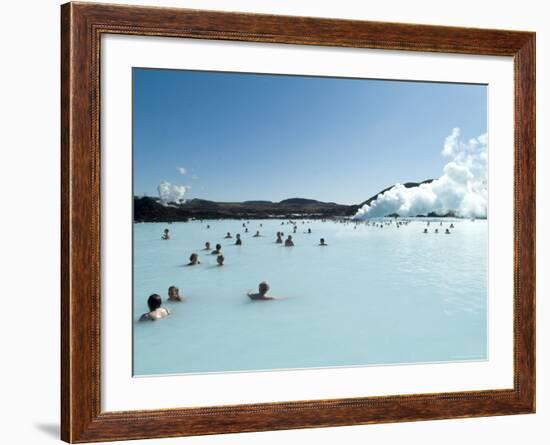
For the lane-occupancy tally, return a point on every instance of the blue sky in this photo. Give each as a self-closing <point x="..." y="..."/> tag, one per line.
<point x="271" y="137"/>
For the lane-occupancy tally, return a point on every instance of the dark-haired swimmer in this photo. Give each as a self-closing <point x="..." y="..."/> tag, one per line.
<point x="322" y="242"/>
<point x="263" y="288"/>
<point x="289" y="242"/>
<point x="156" y="312"/>
<point x="257" y="234"/>
<point x="218" y="249"/>
<point x="207" y="246"/>
<point x="228" y="236"/>
<point x="238" y="241"/>
<point x="166" y="235"/>
<point x="193" y="260"/>
<point x="220" y="259"/>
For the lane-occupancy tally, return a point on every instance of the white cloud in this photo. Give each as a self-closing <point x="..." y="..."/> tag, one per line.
<point x="172" y="192"/>
<point x="462" y="187"/>
<point x="182" y="170"/>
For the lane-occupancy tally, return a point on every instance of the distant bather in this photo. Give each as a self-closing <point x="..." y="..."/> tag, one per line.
<point x="174" y="294"/>
<point x="193" y="260"/>
<point x="156" y="312"/>
<point x="263" y="288"/>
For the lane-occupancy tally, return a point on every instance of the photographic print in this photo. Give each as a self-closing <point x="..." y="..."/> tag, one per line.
<point x="296" y="222"/>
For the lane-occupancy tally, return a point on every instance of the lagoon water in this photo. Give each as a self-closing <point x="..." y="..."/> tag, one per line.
<point x="373" y="296"/>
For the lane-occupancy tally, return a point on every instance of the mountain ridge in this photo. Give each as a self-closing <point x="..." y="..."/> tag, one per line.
<point x="148" y="209"/>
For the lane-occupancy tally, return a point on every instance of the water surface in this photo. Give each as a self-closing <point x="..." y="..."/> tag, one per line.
<point x="373" y="296"/>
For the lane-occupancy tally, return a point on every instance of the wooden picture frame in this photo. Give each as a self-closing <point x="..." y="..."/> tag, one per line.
<point x="82" y="25"/>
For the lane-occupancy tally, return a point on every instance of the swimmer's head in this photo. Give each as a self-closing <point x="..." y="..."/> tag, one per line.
<point x="154" y="301"/>
<point x="238" y="235"/>
<point x="193" y="258"/>
<point x="173" y="291"/>
<point x="166" y="230"/>
<point x="220" y="260"/>
<point x="207" y="244"/>
<point x="218" y="246"/>
<point x="263" y="287"/>
<point x="322" y="241"/>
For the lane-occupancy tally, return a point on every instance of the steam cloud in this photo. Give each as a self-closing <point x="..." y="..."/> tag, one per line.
<point x="462" y="188"/>
<point x="171" y="192"/>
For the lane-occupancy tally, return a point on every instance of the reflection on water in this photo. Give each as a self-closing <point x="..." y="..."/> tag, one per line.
<point x="372" y="296"/>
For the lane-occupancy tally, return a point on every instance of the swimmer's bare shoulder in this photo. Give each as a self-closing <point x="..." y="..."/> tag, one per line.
<point x="158" y="314"/>
<point x="260" y="297"/>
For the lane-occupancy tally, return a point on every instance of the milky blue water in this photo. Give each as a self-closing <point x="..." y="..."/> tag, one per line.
<point x="373" y="296"/>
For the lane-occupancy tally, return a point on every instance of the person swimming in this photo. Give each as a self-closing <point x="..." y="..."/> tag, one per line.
<point x="263" y="288"/>
<point x="447" y="232"/>
<point x="156" y="312"/>
<point x="289" y="242"/>
<point x="452" y="226"/>
<point x="208" y="226"/>
<point x="257" y="234"/>
<point x="436" y="231"/>
<point x="228" y="236"/>
<point x="322" y="242"/>
<point x="193" y="260"/>
<point x="238" y="241"/>
<point x="279" y="239"/>
<point x="174" y="294"/>
<point x="218" y="249"/>
<point x="246" y="230"/>
<point x="309" y="230"/>
<point x="425" y="230"/>
<point x="220" y="259"/>
<point x="207" y="246"/>
<point x="166" y="235"/>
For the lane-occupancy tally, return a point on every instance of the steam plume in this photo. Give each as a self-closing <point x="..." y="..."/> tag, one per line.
<point x="462" y="187"/>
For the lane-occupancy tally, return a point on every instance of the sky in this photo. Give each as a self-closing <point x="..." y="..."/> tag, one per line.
<point x="238" y="137"/>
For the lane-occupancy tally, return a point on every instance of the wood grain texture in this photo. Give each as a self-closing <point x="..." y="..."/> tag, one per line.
<point x="81" y="28"/>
